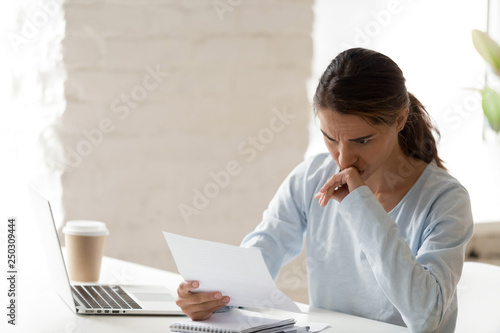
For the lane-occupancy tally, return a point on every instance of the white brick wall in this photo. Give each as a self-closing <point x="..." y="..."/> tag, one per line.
<point x="133" y="161"/>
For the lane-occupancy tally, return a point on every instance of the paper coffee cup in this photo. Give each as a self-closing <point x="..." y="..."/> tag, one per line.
<point x="85" y="242"/>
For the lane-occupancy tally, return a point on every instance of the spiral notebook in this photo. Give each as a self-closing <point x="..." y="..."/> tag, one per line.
<point x="235" y="321"/>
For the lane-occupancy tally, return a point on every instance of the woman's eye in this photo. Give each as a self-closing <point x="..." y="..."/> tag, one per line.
<point x="363" y="142"/>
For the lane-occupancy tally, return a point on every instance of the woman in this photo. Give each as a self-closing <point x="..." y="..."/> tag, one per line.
<point x="390" y="245"/>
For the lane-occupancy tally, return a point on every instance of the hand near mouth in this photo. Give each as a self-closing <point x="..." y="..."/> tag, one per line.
<point x="339" y="186"/>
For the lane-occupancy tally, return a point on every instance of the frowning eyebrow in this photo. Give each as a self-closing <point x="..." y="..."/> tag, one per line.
<point x="356" y="139"/>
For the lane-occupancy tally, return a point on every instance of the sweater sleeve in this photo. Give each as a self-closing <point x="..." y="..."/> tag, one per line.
<point x="421" y="287"/>
<point x="280" y="235"/>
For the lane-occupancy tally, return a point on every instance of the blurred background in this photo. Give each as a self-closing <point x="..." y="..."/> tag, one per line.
<point x="186" y="116"/>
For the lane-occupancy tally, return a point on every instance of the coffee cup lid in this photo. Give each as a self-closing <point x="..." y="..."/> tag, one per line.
<point x="85" y="228"/>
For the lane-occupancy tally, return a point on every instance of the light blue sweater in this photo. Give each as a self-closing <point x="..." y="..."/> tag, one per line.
<point x="400" y="267"/>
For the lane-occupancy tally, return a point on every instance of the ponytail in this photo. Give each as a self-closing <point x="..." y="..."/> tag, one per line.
<point x="416" y="139"/>
<point x="369" y="84"/>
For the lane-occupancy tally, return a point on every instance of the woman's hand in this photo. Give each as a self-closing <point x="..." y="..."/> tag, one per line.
<point x="339" y="186"/>
<point x="199" y="306"/>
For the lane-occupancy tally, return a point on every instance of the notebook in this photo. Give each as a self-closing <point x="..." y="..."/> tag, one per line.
<point x="235" y="321"/>
<point x="94" y="298"/>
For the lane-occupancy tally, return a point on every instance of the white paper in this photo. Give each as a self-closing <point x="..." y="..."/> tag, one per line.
<point x="237" y="272"/>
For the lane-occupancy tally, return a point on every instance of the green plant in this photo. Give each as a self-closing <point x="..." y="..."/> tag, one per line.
<point x="490" y="51"/>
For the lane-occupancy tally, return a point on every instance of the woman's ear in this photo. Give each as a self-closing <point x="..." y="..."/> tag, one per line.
<point x="401" y="120"/>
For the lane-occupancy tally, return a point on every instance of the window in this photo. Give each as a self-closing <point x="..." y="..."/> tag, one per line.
<point x="31" y="97"/>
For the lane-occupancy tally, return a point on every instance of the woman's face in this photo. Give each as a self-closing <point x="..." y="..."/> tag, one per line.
<point x="353" y="142"/>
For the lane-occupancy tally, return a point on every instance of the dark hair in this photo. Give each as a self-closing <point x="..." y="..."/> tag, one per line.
<point x="369" y="84"/>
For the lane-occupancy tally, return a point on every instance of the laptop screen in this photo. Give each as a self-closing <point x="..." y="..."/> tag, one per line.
<point x="53" y="254"/>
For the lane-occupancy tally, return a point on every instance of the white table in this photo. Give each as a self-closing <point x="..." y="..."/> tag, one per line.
<point x="41" y="310"/>
<point x="479" y="299"/>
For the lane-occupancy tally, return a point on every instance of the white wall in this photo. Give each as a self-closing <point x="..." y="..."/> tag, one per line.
<point x="122" y="111"/>
<point x="163" y="95"/>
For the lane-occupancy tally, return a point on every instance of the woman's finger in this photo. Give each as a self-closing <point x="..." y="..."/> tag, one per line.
<point x="205" y="301"/>
<point x="334" y="181"/>
<point x="327" y="196"/>
<point x="204" y="313"/>
<point x="201" y="310"/>
<point x="199" y="306"/>
<point x="185" y="287"/>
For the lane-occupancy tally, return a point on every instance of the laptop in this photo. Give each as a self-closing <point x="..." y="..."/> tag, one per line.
<point x="96" y="299"/>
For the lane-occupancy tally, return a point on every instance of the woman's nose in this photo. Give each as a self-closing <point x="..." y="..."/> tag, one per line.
<point x="346" y="157"/>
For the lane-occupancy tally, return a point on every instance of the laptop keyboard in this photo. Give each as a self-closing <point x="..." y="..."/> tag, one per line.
<point x="104" y="297"/>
